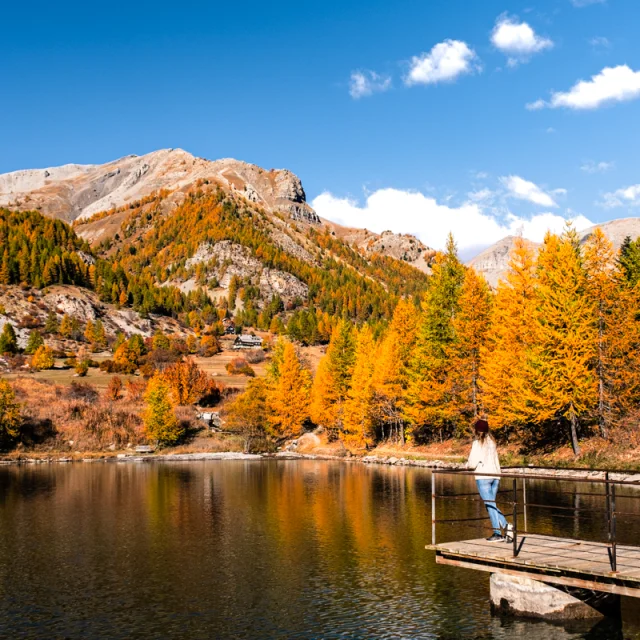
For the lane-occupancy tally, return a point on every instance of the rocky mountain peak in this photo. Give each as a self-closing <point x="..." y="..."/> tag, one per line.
<point x="77" y="191"/>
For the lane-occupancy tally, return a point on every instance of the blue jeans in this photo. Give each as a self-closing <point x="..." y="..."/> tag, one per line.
<point x="488" y="490"/>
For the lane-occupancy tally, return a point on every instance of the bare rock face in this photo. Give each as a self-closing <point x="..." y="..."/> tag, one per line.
<point x="275" y="190"/>
<point x="493" y="262"/>
<point x="227" y="259"/>
<point x="78" y="191"/>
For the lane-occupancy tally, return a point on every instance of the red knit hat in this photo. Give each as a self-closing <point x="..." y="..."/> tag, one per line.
<point x="481" y="426"/>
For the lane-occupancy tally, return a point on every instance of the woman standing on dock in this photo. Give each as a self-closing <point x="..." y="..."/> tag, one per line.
<point x="484" y="458"/>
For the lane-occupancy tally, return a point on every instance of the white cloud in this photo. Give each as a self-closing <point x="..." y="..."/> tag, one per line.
<point x="629" y="196"/>
<point x="535" y="106"/>
<point x="550" y="130"/>
<point x="413" y="212"/>
<point x="600" y="41"/>
<point x="597" y="167"/>
<point x="517" y="40"/>
<point x="612" y="84"/>
<point x="525" y="190"/>
<point x="366" y="83"/>
<point x="586" y="3"/>
<point x="445" y="62"/>
<point x="482" y="195"/>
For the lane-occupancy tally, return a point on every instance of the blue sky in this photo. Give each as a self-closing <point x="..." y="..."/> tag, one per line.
<point x="416" y="116"/>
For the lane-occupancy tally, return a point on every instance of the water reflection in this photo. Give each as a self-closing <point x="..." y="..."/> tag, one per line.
<point x="233" y="549"/>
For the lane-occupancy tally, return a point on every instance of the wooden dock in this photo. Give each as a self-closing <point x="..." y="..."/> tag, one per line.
<point x="561" y="561"/>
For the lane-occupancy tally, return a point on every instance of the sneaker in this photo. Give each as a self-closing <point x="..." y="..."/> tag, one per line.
<point x="496" y="537"/>
<point x="508" y="534"/>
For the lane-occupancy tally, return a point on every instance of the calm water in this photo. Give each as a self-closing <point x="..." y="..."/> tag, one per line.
<point x="235" y="549"/>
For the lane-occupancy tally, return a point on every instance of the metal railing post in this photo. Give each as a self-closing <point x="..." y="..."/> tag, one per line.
<point x="433" y="509"/>
<point x="524" y="501"/>
<point x="614" y="558"/>
<point x="515" y="517"/>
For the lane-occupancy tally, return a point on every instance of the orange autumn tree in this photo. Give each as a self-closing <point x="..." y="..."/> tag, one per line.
<point x="391" y="372"/>
<point x="288" y="397"/>
<point x="187" y="381"/>
<point x="160" y="420"/>
<point x="430" y="396"/>
<point x="332" y="380"/>
<point x="504" y="372"/>
<point x="357" y="427"/>
<point x="563" y="385"/>
<point x="615" y="305"/>
<point x="471" y="325"/>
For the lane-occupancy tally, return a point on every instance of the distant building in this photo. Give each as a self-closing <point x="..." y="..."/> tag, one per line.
<point x="248" y="342"/>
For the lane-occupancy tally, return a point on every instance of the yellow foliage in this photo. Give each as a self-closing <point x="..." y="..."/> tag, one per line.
<point x="160" y="421"/>
<point x="42" y="358"/>
<point x="288" y="400"/>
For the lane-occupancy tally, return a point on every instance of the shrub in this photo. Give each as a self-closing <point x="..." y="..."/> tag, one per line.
<point x="108" y="366"/>
<point x="239" y="366"/>
<point x="82" y="391"/>
<point x="70" y="362"/>
<point x="82" y="367"/>
<point x="255" y="357"/>
<point x="135" y="389"/>
<point x="114" y="390"/>
<point x="187" y="381"/>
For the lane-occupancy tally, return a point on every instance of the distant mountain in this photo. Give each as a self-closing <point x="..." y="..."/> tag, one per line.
<point x="76" y="192"/>
<point x="493" y="262"/>
<point x="222" y="230"/>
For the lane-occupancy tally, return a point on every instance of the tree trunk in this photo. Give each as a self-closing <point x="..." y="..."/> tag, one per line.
<point x="573" y="419"/>
<point x="601" y="419"/>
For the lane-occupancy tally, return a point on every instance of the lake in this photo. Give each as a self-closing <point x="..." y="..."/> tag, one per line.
<point x="251" y="549"/>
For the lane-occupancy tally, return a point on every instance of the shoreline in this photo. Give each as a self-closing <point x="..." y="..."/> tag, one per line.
<point x="551" y="472"/>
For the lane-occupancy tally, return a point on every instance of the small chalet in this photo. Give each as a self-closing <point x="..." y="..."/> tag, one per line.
<point x="248" y="342"/>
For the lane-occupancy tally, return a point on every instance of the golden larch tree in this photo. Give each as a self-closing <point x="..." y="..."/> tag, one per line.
<point x="357" y="427"/>
<point x="391" y="372"/>
<point x="471" y="325"/>
<point x="563" y="384"/>
<point x="289" y="397"/>
<point x="504" y="372"/>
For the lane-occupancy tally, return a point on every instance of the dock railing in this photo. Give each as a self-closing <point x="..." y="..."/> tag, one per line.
<point x="524" y="474"/>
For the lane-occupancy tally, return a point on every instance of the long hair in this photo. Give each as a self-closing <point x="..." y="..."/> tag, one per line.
<point x="482" y="430"/>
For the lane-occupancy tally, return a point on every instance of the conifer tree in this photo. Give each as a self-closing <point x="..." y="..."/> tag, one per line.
<point x="5" y="268"/>
<point x="564" y="387"/>
<point x="602" y="288"/>
<point x="504" y="374"/>
<point x="51" y="325"/>
<point x="430" y="395"/>
<point x="89" y="332"/>
<point x="35" y="340"/>
<point x="160" y="421"/>
<point x="391" y="373"/>
<point x="471" y="326"/>
<point x="249" y="415"/>
<point x="10" y="418"/>
<point x="630" y="260"/>
<point x="331" y="384"/>
<point x="8" y="339"/>
<point x="357" y="415"/>
<point x="289" y="398"/>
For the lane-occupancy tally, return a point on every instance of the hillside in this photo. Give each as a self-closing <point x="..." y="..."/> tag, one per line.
<point x="77" y="192"/>
<point x="171" y="234"/>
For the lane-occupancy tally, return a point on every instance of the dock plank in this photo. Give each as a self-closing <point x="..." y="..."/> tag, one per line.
<point x="550" y="559"/>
